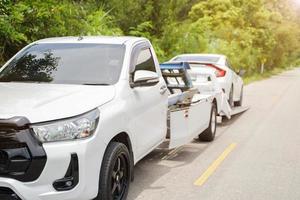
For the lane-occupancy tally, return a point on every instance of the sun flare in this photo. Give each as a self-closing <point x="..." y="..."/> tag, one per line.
<point x="297" y="2"/>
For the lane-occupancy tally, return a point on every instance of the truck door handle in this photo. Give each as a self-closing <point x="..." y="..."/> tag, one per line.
<point x="163" y="89"/>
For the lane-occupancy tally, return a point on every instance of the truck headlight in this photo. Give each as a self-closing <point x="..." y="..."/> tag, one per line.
<point x="69" y="129"/>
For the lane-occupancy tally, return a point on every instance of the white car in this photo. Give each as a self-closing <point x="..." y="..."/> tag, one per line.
<point x="77" y="113"/>
<point x="206" y="81"/>
<point x="231" y="83"/>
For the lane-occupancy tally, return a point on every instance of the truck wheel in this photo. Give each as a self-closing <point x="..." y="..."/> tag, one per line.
<point x="209" y="134"/>
<point x="240" y="102"/>
<point x="115" y="173"/>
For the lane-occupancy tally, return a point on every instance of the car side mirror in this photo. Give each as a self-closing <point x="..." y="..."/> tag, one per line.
<point x="241" y="72"/>
<point x="143" y="78"/>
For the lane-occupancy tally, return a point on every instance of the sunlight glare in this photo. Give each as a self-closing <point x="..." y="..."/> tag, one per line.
<point x="297" y="2"/>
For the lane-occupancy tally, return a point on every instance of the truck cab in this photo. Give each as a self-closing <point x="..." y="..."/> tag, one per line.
<point x="77" y="113"/>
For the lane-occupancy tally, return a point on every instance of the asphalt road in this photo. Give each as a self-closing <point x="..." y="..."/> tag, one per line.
<point x="265" y="163"/>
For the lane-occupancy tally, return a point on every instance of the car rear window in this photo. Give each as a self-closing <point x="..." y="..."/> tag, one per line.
<point x="199" y="66"/>
<point x="209" y="59"/>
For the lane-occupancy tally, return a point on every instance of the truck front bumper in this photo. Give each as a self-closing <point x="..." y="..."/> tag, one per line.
<point x="89" y="152"/>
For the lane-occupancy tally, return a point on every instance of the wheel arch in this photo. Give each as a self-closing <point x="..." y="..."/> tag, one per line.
<point x="123" y="138"/>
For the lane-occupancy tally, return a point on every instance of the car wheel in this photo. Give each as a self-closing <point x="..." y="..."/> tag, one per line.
<point x="209" y="134"/>
<point x="230" y="101"/>
<point x="240" y="102"/>
<point x="115" y="173"/>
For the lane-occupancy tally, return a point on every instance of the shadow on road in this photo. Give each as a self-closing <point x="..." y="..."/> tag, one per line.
<point x="162" y="160"/>
<point x="228" y="122"/>
<point x="159" y="163"/>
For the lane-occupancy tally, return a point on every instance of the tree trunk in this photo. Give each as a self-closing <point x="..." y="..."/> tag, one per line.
<point x="262" y="68"/>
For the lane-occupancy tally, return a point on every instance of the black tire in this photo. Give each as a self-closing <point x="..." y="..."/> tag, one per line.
<point x="230" y="100"/>
<point x="240" y="102"/>
<point x="115" y="173"/>
<point x="209" y="134"/>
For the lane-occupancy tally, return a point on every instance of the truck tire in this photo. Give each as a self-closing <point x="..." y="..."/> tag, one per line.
<point x="209" y="134"/>
<point x="115" y="173"/>
<point x="240" y="102"/>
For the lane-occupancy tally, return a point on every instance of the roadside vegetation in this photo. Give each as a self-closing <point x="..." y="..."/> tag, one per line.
<point x="257" y="35"/>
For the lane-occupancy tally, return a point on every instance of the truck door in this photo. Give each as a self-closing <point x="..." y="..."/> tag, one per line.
<point x="149" y="103"/>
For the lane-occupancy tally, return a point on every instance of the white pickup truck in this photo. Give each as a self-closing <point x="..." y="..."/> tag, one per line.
<point x="77" y="113"/>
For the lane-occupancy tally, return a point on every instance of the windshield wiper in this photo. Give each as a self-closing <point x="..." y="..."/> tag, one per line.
<point x="96" y="84"/>
<point x="20" y="81"/>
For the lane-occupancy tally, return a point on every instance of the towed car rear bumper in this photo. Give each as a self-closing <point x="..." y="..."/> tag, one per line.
<point x="225" y="84"/>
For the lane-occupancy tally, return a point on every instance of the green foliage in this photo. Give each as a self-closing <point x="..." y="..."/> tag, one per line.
<point x="249" y="32"/>
<point x="22" y="22"/>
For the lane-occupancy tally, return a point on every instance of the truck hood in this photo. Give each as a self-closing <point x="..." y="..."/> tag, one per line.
<point x="46" y="102"/>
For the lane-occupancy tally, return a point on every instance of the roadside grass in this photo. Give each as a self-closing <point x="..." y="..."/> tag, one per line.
<point x="267" y="74"/>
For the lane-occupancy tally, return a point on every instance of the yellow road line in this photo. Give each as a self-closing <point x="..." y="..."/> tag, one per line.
<point x="210" y="170"/>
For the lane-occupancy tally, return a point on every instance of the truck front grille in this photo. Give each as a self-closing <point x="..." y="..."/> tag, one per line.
<point x="3" y="159"/>
<point x="8" y="194"/>
<point x="8" y="138"/>
<point x="22" y="157"/>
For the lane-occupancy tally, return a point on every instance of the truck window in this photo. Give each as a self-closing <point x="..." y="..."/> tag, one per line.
<point x="145" y="61"/>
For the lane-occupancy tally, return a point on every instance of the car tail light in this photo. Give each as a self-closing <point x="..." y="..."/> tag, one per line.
<point x="219" y="72"/>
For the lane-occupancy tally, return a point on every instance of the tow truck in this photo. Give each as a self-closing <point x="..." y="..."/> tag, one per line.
<point x="77" y="113"/>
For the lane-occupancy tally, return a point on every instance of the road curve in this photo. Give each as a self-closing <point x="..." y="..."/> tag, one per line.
<point x="264" y="163"/>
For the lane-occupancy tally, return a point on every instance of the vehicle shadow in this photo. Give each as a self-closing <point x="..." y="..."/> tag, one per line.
<point x="162" y="160"/>
<point x="159" y="163"/>
<point x="227" y="122"/>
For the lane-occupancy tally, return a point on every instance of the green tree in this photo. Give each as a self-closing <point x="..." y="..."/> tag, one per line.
<point x="252" y="33"/>
<point x="22" y="22"/>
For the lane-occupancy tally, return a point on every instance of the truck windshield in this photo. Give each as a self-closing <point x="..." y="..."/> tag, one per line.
<point x="90" y="64"/>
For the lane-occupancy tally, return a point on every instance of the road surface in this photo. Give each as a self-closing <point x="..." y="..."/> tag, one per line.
<point x="255" y="155"/>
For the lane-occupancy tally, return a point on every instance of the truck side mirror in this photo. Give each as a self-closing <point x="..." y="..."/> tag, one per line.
<point x="143" y="78"/>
